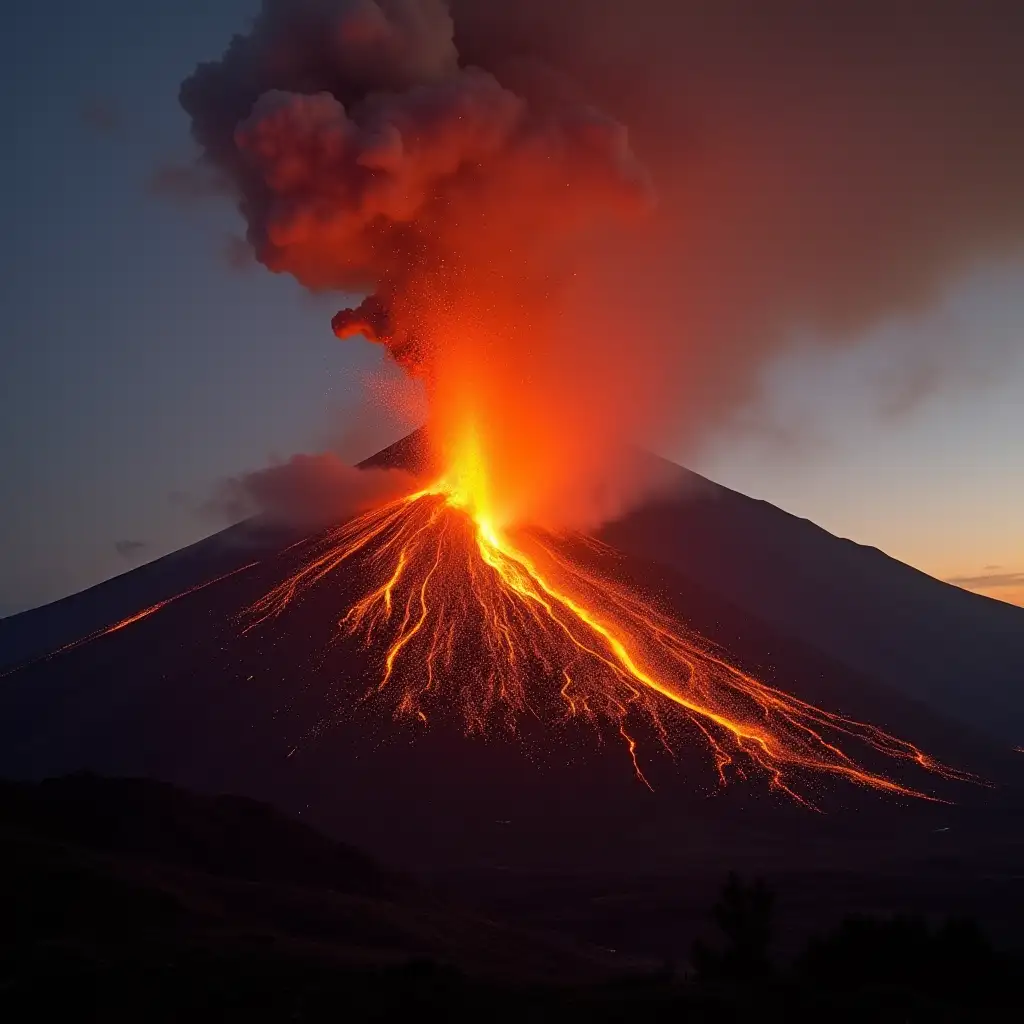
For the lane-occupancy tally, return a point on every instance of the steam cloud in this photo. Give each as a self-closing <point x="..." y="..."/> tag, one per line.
<point x="466" y="166"/>
<point x="308" y="491"/>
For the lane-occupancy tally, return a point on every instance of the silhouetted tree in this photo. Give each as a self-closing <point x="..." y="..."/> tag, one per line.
<point x="744" y="914"/>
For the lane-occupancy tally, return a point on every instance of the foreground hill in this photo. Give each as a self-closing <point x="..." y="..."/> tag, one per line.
<point x="132" y="900"/>
<point x="106" y="866"/>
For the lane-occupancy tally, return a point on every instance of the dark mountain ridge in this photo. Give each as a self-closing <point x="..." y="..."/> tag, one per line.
<point x="960" y="653"/>
<point x="183" y="695"/>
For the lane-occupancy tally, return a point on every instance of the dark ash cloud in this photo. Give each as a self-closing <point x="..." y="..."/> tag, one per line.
<point x="818" y="168"/>
<point x="367" y="157"/>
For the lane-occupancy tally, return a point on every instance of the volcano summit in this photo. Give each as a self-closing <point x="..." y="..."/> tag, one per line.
<point x="340" y="674"/>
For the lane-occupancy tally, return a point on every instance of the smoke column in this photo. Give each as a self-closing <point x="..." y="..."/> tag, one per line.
<point x="819" y="167"/>
<point x="369" y="159"/>
<point x="463" y="170"/>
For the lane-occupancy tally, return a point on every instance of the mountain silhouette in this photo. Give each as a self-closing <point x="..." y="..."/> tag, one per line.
<point x="143" y="875"/>
<point x="959" y="653"/>
<point x="186" y="695"/>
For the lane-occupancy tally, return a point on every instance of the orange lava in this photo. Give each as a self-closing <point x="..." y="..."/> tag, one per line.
<point x="129" y="620"/>
<point x="500" y="624"/>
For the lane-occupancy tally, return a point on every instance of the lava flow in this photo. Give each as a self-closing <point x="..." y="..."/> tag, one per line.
<point x="497" y="624"/>
<point x="128" y="620"/>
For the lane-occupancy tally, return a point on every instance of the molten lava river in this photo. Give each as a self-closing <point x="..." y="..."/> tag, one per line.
<point x="494" y="624"/>
<point x="497" y="625"/>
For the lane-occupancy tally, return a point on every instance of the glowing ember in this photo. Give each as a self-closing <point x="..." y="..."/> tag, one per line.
<point x="497" y="624"/>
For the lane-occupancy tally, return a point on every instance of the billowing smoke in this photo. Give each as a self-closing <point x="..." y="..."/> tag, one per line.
<point x="464" y="170"/>
<point x="819" y="167"/>
<point x="307" y="491"/>
<point x="367" y="158"/>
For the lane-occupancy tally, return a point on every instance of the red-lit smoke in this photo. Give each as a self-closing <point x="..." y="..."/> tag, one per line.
<point x="369" y="159"/>
<point x="463" y="171"/>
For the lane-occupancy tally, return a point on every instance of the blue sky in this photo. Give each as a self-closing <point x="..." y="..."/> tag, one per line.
<point x="140" y="367"/>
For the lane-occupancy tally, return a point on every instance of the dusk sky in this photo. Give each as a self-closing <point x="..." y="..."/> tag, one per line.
<point x="143" y="365"/>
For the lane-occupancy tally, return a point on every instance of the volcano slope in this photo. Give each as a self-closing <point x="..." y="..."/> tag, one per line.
<point x="959" y="653"/>
<point x="191" y="695"/>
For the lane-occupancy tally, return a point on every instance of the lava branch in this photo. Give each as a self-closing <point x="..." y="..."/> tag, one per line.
<point x="452" y="591"/>
<point x="128" y="620"/>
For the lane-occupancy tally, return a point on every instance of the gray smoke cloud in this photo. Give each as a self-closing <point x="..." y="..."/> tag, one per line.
<point x="306" y="491"/>
<point x="820" y="166"/>
<point x="817" y="168"/>
<point x="368" y="158"/>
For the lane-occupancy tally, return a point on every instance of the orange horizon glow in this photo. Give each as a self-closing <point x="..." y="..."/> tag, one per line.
<point x="1008" y="591"/>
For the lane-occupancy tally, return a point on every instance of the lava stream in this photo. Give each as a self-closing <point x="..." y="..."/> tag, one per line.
<point x="128" y="620"/>
<point x="466" y="616"/>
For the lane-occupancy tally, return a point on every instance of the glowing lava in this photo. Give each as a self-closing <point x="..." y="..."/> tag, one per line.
<point x="128" y="620"/>
<point x="498" y="624"/>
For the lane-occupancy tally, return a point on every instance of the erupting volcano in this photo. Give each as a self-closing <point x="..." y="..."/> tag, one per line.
<point x="462" y="203"/>
<point x="459" y="208"/>
<point x="494" y="624"/>
<point x="426" y="669"/>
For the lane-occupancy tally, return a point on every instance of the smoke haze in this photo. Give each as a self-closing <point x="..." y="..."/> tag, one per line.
<point x="819" y="166"/>
<point x="593" y="221"/>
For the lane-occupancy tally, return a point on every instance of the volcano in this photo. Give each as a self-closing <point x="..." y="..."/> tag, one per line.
<point x="198" y="685"/>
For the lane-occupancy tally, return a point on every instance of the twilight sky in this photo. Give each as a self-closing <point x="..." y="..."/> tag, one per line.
<point x="142" y="365"/>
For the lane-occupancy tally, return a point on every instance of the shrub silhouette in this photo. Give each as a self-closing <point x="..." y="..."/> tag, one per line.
<point x="744" y="914"/>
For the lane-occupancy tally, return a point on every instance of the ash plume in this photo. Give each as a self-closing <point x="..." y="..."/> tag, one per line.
<point x="367" y="158"/>
<point x="463" y="170"/>
<point x="820" y="167"/>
